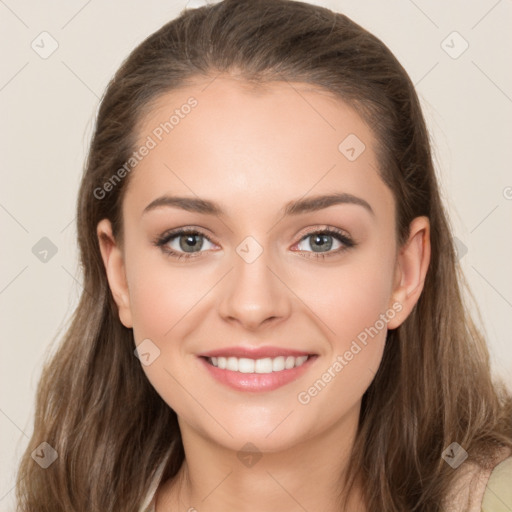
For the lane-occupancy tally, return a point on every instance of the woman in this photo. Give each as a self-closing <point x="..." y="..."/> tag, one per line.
<point x="272" y="315"/>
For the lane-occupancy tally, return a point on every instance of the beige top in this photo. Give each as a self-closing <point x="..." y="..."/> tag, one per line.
<point x="483" y="490"/>
<point x="475" y="490"/>
<point x="498" y="494"/>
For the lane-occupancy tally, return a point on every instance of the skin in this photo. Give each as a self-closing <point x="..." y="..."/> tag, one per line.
<point x="252" y="151"/>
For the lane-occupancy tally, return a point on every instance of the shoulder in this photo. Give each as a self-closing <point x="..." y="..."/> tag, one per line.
<point x="498" y="493"/>
<point x="473" y="482"/>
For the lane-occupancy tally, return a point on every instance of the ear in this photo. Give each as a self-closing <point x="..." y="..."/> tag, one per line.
<point x="113" y="260"/>
<point x="411" y="268"/>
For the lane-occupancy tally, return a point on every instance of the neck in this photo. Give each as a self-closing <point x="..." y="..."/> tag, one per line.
<point x="306" y="476"/>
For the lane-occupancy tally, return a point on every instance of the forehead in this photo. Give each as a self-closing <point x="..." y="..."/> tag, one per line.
<point x="273" y="140"/>
<point x="258" y="109"/>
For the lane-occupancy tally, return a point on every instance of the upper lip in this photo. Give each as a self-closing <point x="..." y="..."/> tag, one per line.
<point x="254" y="352"/>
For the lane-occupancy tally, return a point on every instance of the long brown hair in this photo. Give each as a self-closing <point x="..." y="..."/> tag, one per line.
<point x="96" y="407"/>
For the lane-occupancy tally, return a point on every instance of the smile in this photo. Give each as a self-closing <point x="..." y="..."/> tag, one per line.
<point x="257" y="375"/>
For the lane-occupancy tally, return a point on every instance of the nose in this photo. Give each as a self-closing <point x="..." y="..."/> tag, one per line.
<point x="254" y="294"/>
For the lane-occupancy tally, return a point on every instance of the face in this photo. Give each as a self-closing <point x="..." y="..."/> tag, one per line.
<point x="292" y="292"/>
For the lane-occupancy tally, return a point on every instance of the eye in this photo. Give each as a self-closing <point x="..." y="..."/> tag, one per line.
<point x="190" y="243"/>
<point x="183" y="243"/>
<point x="322" y="242"/>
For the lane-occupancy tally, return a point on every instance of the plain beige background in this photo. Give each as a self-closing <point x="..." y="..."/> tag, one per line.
<point x="457" y="53"/>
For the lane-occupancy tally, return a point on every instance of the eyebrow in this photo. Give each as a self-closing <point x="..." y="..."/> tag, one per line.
<point x="296" y="207"/>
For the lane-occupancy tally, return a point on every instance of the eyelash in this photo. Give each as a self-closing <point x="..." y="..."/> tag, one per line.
<point x="164" y="239"/>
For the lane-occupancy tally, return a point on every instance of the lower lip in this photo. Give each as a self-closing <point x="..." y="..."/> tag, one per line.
<point x="257" y="381"/>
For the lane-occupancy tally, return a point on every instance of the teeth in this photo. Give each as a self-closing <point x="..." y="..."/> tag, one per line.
<point x="278" y="364"/>
<point x="232" y="364"/>
<point x="290" y="362"/>
<point x="266" y="365"/>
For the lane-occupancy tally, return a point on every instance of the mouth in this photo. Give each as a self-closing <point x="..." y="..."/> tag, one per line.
<point x="257" y="374"/>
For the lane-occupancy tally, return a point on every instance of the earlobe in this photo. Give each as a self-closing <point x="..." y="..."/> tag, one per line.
<point x="411" y="268"/>
<point x="113" y="260"/>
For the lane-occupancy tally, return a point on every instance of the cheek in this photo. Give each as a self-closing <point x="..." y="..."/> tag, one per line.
<point x="353" y="309"/>
<point x="163" y="301"/>
<point x="353" y="303"/>
<point x="349" y="298"/>
<point x="161" y="295"/>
